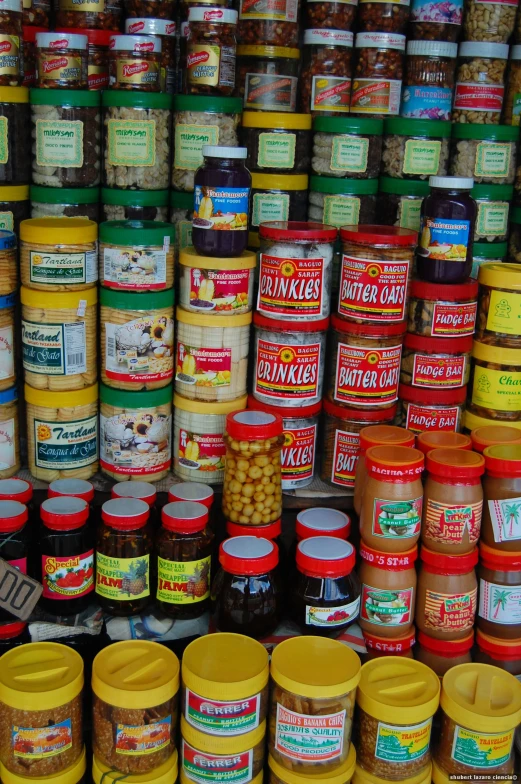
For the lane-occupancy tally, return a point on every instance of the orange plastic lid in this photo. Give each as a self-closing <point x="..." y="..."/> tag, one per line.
<point x="455" y="463"/>
<point x="391" y="561"/>
<point x="437" y="563"/>
<point x="442" y="439"/>
<point x="491" y="435"/>
<point x="499" y="560"/>
<point x="446" y="647"/>
<point x="379" y="435"/>
<point x="498" y="649"/>
<point x="394" y="463"/>
<point x="503" y="460"/>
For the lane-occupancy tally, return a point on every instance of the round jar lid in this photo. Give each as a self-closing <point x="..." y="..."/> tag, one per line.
<point x="7" y="632"/>
<point x="499" y="560"/>
<point x="505" y="133"/>
<point x="139" y="26"/>
<point x="253" y="425"/>
<point x="125" y="514"/>
<point x="381" y="41"/>
<point x="376" y="331"/>
<point x="213" y="15"/>
<point x="180" y="200"/>
<point x="270" y="52"/>
<point x="144" y="398"/>
<point x="135" y="198"/>
<point x="192" y="491"/>
<point x="207" y="409"/>
<point x="135" y="489"/>
<point x="394" y="645"/>
<point x="432" y="48"/>
<point x="134" y="300"/>
<point x="94" y="37"/>
<point x="442" y="397"/>
<point x="8" y="395"/>
<point x="136" y="232"/>
<point x="439" y="563"/>
<point x="16" y="490"/>
<point x="496" y="355"/>
<point x="503" y="276"/>
<point x="47" y="399"/>
<point x="490" y="435"/>
<point x="325" y="556"/>
<point x="131" y="99"/>
<point x="8" y="301"/>
<point x="322" y="522"/>
<point x="185" y="517"/>
<point x="283" y="325"/>
<point x="394" y="463"/>
<point x="439" y="345"/>
<point x="315" y="667"/>
<point x="446" y="647"/>
<point x="145" y="44"/>
<point x="490" y="250"/>
<point x="440" y="292"/>
<point x="61" y="41"/>
<point x="498" y="649"/>
<point x="44" y="195"/>
<point x="452" y="183"/>
<point x="17" y="192"/>
<point x="442" y="439"/>
<point x="13" y="516"/>
<point x="64" y="513"/>
<point x="103" y="774"/>
<point x="379" y="435"/>
<point x="379" y="235"/>
<point x="219" y="322"/>
<point x="14" y="95"/>
<point x="222" y="744"/>
<point x="7" y="239"/>
<point x="279" y="182"/>
<point x="248" y="556"/>
<point x="398" y="690"/>
<point x="41" y="96"/>
<point x="456" y="462"/>
<point x="482" y="698"/>
<point x="276" y="120"/>
<point x="73" y="488"/>
<point x="299" y="412"/>
<point x="58" y="231"/>
<point x="271" y="531"/>
<point x="189" y="257"/>
<point x="326" y="37"/>
<point x="503" y="460"/>
<point x="359" y="415"/>
<point x="398" y="126"/>
<point x="483" y="49"/>
<point x="290" y="231"/>
<point x="404" y="187"/>
<point x="217" y="151"/>
<point x="399" y="562"/>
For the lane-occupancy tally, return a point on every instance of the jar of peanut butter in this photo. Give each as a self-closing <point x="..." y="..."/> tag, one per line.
<point x="376" y="435"/>
<point x="441" y="439"/>
<point x="388" y="593"/>
<point x="491" y="435"/>
<point x="441" y="655"/>
<point x="501" y="527"/>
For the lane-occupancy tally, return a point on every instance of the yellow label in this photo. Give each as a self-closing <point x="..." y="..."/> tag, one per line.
<point x="481" y="750"/>
<point x="9" y="55"/>
<point x="122" y="579"/>
<point x="496" y="389"/>
<point x="85" y="6"/>
<point x="504" y="312"/>
<point x="183" y="582"/>
<point x="65" y="68"/>
<point x="203" y="64"/>
<point x="133" y="71"/>
<point x="402" y="744"/>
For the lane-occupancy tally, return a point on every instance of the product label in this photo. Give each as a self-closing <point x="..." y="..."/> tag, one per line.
<point x="62" y="445"/>
<point x="222" y="718"/>
<point x="204" y="367"/>
<point x="4" y="142"/>
<point x="68" y="577"/>
<point x="496" y="389"/>
<point x="277" y="150"/>
<point x="189" y="143"/>
<point x="453" y="319"/>
<point x="137" y="269"/>
<point x="345" y="457"/>
<point x="287" y="372"/>
<point x="438" y="372"/>
<point x="184" y="582"/>
<point x="426" y="102"/>
<point x="122" y="579"/>
<point x="54" y="349"/>
<point x="387" y="608"/>
<point x="450" y="612"/>
<point x="492" y="219"/>
<point x="341" y="210"/>
<point x="202" y="767"/>
<point x="478" y="97"/>
<point x="376" y="96"/>
<point x="291" y="287"/>
<point x="368" y="376"/>
<point x="97" y="77"/>
<point x="141" y="350"/>
<point x="480" y="750"/>
<point x="397" y="518"/>
<point x="444" y="239"/>
<point x="270" y="93"/>
<point x="87" y="6"/>
<point x="504" y="312"/>
<point x="500" y="603"/>
<point x="402" y="744"/>
<point x="131" y="143"/>
<point x="421" y="157"/>
<point x="7" y="448"/>
<point x="505" y="516"/>
<point x="443" y="13"/>
<point x="309" y="738"/>
<point x="330" y="617"/>
<point x="213" y="66"/>
<point x="269" y="207"/>
<point x="33" y="743"/>
<point x="144" y="738"/>
<point x="349" y="153"/>
<point x="449" y="523"/>
<point x="373" y="290"/>
<point x="409" y="213"/>
<point x="136" y="442"/>
<point x="6" y="353"/>
<point x="330" y="94"/>
<point x="54" y="67"/>
<point x="221" y="291"/>
<point x="221" y="208"/>
<point x="278" y="10"/>
<point x="419" y="419"/>
<point x="9" y="55"/>
<point x="59" y="143"/>
<point x="298" y="453"/>
<point x="201" y="451"/>
<point x="66" y="268"/>
<point x="6" y="218"/>
<point x="492" y="159"/>
<point x="133" y="71"/>
<point x="516" y="109"/>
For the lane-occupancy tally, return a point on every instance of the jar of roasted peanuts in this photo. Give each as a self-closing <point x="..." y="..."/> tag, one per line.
<point x="135" y="63"/>
<point x="100" y="14"/>
<point x="10" y="460"/>
<point x="155" y="9"/>
<point x="36" y="13"/>
<point x="383" y="17"/>
<point x="61" y="60"/>
<point x="269" y="23"/>
<point x="252" y="492"/>
<point x="325" y="86"/>
<point x="377" y="81"/>
<point x="8" y="263"/>
<point x="480" y="83"/>
<point x="97" y="56"/>
<point x="330" y="14"/>
<point x="11" y="47"/>
<point x="165" y="30"/>
<point x="489" y="21"/>
<point x="512" y="105"/>
<point x="211" y="48"/>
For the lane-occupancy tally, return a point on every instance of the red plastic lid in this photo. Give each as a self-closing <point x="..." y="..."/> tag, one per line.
<point x="439" y="345"/>
<point x="125" y="514"/>
<point x="379" y="235"/>
<point x="499" y="560"/>
<point x="322" y="522"/>
<point x="396" y="645"/>
<point x="283" y="325"/>
<point x="391" y="561"/>
<point x="498" y="649"/>
<point x="438" y="563"/>
<point x="16" y="490"/>
<point x="359" y="414"/>
<point x="143" y="491"/>
<point x="455" y="463"/>
<point x="64" y="513"/>
<point x="270" y="531"/>
<point x="253" y="425"/>
<point x="287" y="231"/>
<point x="324" y="556"/>
<point x="13" y="516"/>
<point x="8" y="630"/>
<point x="301" y="412"/>
<point x="444" y="292"/>
<point x="442" y="439"/>
<point x="95" y="37"/>
<point x="367" y="330"/>
<point x="493" y="435"/>
<point x="248" y="555"/>
<point x="503" y="460"/>
<point x="446" y="647"/>
<point x="73" y="488"/>
<point x="394" y="463"/>
<point x="29" y="33"/>
<point x="192" y="491"/>
<point x="444" y="397"/>
<point x="378" y="435"/>
<point x="184" y="517"/>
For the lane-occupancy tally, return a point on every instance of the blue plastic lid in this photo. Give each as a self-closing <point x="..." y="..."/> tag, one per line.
<point x="8" y="301"/>
<point x="7" y="240"/>
<point x="8" y="395"/>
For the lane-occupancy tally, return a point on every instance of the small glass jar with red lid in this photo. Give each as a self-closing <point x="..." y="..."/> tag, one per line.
<point x="73" y="488"/>
<point x="501" y="524"/>
<point x="18" y="490"/>
<point x="123" y="557"/>
<point x="505" y="654"/>
<point x="325" y="596"/>
<point x="380" y="646"/>
<point x="435" y="363"/>
<point x="12" y="634"/>
<point x="67" y="555"/>
<point x="246" y="596"/>
<point x="492" y="435"/>
<point x="321" y="521"/>
<point x="441" y="409"/>
<point x="192" y="491"/>
<point x="388" y="593"/>
<point x="14" y="539"/>
<point x="143" y="491"/>
<point x="499" y="574"/>
<point x="184" y="559"/>
<point x="441" y="655"/>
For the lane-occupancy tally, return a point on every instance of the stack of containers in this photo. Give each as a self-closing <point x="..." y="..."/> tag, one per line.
<point x="36" y="19"/>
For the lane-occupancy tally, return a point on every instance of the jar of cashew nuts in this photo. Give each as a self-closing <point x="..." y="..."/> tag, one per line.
<point x="7" y="341"/>
<point x="8" y="263"/>
<point x="59" y="339"/>
<point x="480" y="83"/>
<point x="252" y="493"/>
<point x="62" y="433"/>
<point x="489" y="21"/>
<point x="10" y="461"/>
<point x="137" y="255"/>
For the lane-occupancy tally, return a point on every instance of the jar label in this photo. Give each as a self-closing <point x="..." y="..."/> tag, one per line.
<point x="59" y="143"/>
<point x="298" y="453"/>
<point x="453" y="319"/>
<point x="131" y="143"/>
<point x="140" y="350"/>
<point x="63" y="268"/>
<point x="500" y="603"/>
<point x="136" y="442"/>
<point x="122" y="579"/>
<point x="386" y="608"/>
<point x="54" y="349"/>
<point x="219" y="717"/>
<point x="287" y="372"/>
<point x="220" y="291"/>
<point x="8" y="444"/>
<point x="427" y="11"/>
<point x="291" y="287"/>
<point x="481" y="750"/>
<point x="136" y="72"/>
<point x="367" y="376"/>
<point x="330" y="617"/>
<point x="492" y="218"/>
<point x="330" y="94"/>
<point x="437" y="372"/>
<point x="277" y="150"/>
<point x="393" y="519"/>
<point x="504" y="311"/>
<point x="448" y="523"/>
<point x="213" y="66"/>
<point x="278" y="10"/>
<point x="498" y="2"/>
<point x="444" y="239"/>
<point x="349" y="153"/>
<point x="271" y="93"/>
<point x="516" y="108"/>
<point x="186" y="582"/>
<point x="376" y="96"/>
<point x="201" y="767"/>
<point x="85" y="6"/>
<point x="346" y="451"/>
<point x="189" y="143"/>
<point x="426" y="102"/>
<point x="68" y="577"/>
<point x="506" y="519"/>
<point x="409" y="212"/>
<point x="449" y="612"/>
<point x="6" y="353"/>
<point x="204" y="367"/>
<point x="129" y="268"/>
<point x="33" y="743"/>
<point x="399" y="744"/>
<point x="4" y="145"/>
<point x="341" y="210"/>
<point x="59" y="67"/>
<point x="97" y="77"/>
<point x="492" y="159"/>
<point x="269" y="207"/>
<point x="420" y="419"/>
<point x="216" y="209"/>
<point x="9" y="55"/>
<point x="472" y="96"/>
<point x="421" y="157"/>
<point x="143" y="738"/>
<point x="201" y="451"/>
<point x="65" y="445"/>
<point x="306" y="738"/>
<point x="371" y="290"/>
<point x="6" y="218"/>
<point x="499" y="390"/>
<point x="20" y="564"/>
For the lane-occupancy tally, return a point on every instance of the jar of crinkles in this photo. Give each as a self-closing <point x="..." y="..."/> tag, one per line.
<point x="165" y="30"/>
<point x="480" y="83"/>
<point x="211" y="51"/>
<point x="276" y="25"/>
<point x="435" y="20"/>
<point x="486" y="21"/>
<point x="135" y="63"/>
<point x="429" y="80"/>
<point x="383" y="17"/>
<point x="377" y="80"/>
<point x="61" y="60"/>
<point x="98" y="14"/>
<point x="325" y="86"/>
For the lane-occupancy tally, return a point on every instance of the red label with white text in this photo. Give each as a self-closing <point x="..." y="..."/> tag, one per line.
<point x="345" y="457"/>
<point x="309" y="738"/>
<point x="330" y="93"/>
<point x="217" y="717"/>
<point x="454" y="319"/>
<point x="287" y="372"/>
<point x="201" y="451"/>
<point x="375" y="291"/>
<point x="438" y="372"/>
<point x="448" y="523"/>
<point x="298" y="453"/>
<point x="368" y="376"/>
<point x="203" y="767"/>
<point x="422" y="418"/>
<point x="20" y="564"/>
<point x="376" y="96"/>
<point x="478" y="97"/>
<point x="291" y="287"/>
<point x="68" y="577"/>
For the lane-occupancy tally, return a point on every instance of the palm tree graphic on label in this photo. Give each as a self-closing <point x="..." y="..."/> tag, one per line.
<point x="511" y="518"/>
<point x="499" y="601"/>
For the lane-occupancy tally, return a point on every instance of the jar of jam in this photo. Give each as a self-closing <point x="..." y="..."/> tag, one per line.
<point x="221" y="202"/>
<point x="61" y="60"/>
<point x="388" y="591"/>
<point x="123" y="550"/>
<point x="442" y="439"/>
<point x="184" y="555"/>
<point x="14" y="540"/>
<point x="321" y="521"/>
<point x="491" y="435"/>
<point x="376" y="435"/>
<point x="505" y="654"/>
<point x="325" y="597"/>
<point x="67" y="561"/>
<point x="499" y="613"/>
<point x="501" y="525"/>
<point x="73" y="488"/>
<point x="441" y="655"/>
<point x="381" y="646"/>
<point x="192" y="491"/>
<point x="143" y="491"/>
<point x="447" y="219"/>
<point x="211" y="51"/>
<point x="135" y="63"/>
<point x="245" y="593"/>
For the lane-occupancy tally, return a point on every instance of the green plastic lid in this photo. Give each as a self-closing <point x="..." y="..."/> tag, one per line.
<point x="337" y="185"/>
<point x="504" y="133"/>
<point x="362" y="125"/>
<point x="184" y="201"/>
<point x="136" y="100"/>
<point x="515" y="215"/>
<point x="64" y="195"/>
<point x="137" y="300"/>
<point x="398" y="126"/>
<point x="130" y="400"/>
<point x="492" y="192"/>
<point x="135" y="232"/>
<point x="41" y="97"/>
<point x="490" y="250"/>
<point x="207" y="103"/>
<point x="404" y="187"/>
<point x="134" y="198"/>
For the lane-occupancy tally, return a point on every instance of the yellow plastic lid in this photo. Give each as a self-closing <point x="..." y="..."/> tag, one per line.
<point x="218" y="744"/>
<point x="495" y="354"/>
<point x="185" y="780"/>
<point x="164" y="774"/>
<point x="135" y="674"/>
<point x="341" y="775"/>
<point x="471" y="421"/>
<point x="190" y="258"/>
<point x="398" y="690"/>
<point x="40" y="676"/>
<point x="14" y="192"/>
<point x="279" y="182"/>
<point x="315" y="667"/>
<point x="277" y="120"/>
<point x="14" y="95"/>
<point x="71" y="775"/>
<point x="58" y="231"/>
<point x="481" y="697"/>
<point x="363" y="777"/>
<point x="440" y="777"/>
<point x="60" y="300"/>
<point x="209" y="409"/>
<point x="268" y="51"/>
<point x="46" y="399"/>
<point x="219" y="322"/>
<point x="225" y="666"/>
<point x="500" y="275"/>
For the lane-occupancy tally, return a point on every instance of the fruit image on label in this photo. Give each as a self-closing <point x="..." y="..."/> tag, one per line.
<point x="140" y="350"/>
<point x="365" y="375"/>
<point x="220" y="717"/>
<point x="122" y="579"/>
<point x="201" y="451"/>
<point x="419" y="419"/>
<point x="500" y="603"/>
<point x="397" y="519"/>
<point x="34" y="743"/>
<point x="68" y="577"/>
<point x="444" y="239"/>
<point x="450" y="612"/>
<point x="143" y="739"/>
<point x="330" y="617"/>
<point x="386" y="608"/>
<point x="287" y="371"/>
<point x="202" y="767"/>
<point x="298" y="453"/>
<point x="505" y="516"/>
<point x="220" y="291"/>
<point x="345" y="457"/>
<point x="402" y="744"/>
<point x="184" y="582"/>
<point x="376" y="291"/>
<point x="453" y="319"/>
<point x="450" y="522"/>
<point x="309" y="738"/>
<point x="291" y="287"/>
<point x="204" y="367"/>
<point x="437" y="372"/>
<point x="479" y="750"/>
<point x="221" y="209"/>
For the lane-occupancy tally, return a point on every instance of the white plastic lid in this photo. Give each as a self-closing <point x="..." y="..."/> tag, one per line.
<point x="248" y="547"/>
<point x="254" y="418"/>
<point x="191" y="491"/>
<point x="120" y="507"/>
<point x="14" y="487"/>
<point x="150" y="27"/>
<point x="10" y="509"/>
<point x="515" y="52"/>
<point x="60" y="40"/>
<point x="135" y="43"/>
<point x="72" y="487"/>
<point x="11" y="5"/>
<point x="483" y="49"/>
<point x="216" y="151"/>
<point x="433" y="48"/>
<point x="325" y="548"/>
<point x="452" y="183"/>
<point x="63" y="505"/>
<point x="328" y="37"/>
<point x="323" y="519"/>
<point x="213" y="15"/>
<point x="133" y="489"/>
<point x="381" y="41"/>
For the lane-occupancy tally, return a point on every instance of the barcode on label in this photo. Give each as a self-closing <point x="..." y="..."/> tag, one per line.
<point x="111" y="347"/>
<point x="75" y="359"/>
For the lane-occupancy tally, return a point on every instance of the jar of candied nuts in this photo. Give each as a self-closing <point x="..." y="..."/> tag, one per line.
<point x="165" y="30"/>
<point x="11" y="51"/>
<point x="480" y="83"/>
<point x="162" y="9"/>
<point x="210" y="52"/>
<point x="379" y="16"/>
<point x="326" y="73"/>
<point x="36" y="13"/>
<point x="429" y="80"/>
<point x="61" y="60"/>
<point x="331" y="14"/>
<point x="377" y="82"/>
<point x="135" y="62"/>
<point x="97" y="56"/>
<point x="269" y="22"/>
<point x="98" y="14"/>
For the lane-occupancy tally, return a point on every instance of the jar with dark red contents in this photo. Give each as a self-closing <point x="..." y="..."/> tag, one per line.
<point x="499" y="574"/>
<point x="383" y="17"/>
<point x="436" y="363"/>
<point x="325" y="87"/>
<point x="15" y="539"/>
<point x="142" y="491"/>
<point x="135" y="63"/>
<point x="330" y="14"/>
<point x="505" y="654"/>
<point x="325" y="595"/>
<point x="97" y="56"/>
<point x="165" y="30"/>
<point x="443" y="410"/>
<point x="272" y="22"/>
<point x="11" y="46"/>
<point x="61" y="60"/>
<point x="162" y="9"/>
<point x="99" y="14"/>
<point x="36" y="13"/>
<point x="30" y="58"/>
<point x="72" y="488"/>
<point x="442" y="655"/>
<point x="377" y="79"/>
<point x="211" y="51"/>
<point x="381" y="646"/>
<point x="67" y="555"/>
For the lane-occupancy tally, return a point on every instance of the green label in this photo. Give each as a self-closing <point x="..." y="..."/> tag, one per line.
<point x="183" y="582"/>
<point x="59" y="143"/>
<point x="409" y="213"/>
<point x="4" y="140"/>
<point x="270" y="207"/>
<point x="55" y="268"/>
<point x="189" y="143"/>
<point x="492" y="159"/>
<point x="421" y="157"/>
<point x="481" y="750"/>
<point x="184" y="234"/>
<point x="131" y="142"/>
<point x="341" y="210"/>
<point x="277" y="150"/>
<point x="7" y="221"/>
<point x="492" y="218"/>
<point x="54" y="349"/>
<point x="66" y="445"/>
<point x="349" y="153"/>
<point x="402" y="744"/>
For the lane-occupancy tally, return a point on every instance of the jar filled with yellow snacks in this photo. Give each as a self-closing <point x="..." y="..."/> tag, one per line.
<point x="7" y="341"/>
<point x="10" y="461"/>
<point x="59" y="254"/>
<point x="252" y="493"/>
<point x="137" y="255"/>
<point x="62" y="433"/>
<point x="8" y="263"/>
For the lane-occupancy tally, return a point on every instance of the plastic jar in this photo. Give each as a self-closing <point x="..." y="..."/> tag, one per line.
<point x="437" y="310"/>
<point x="486" y="253"/>
<point x="65" y="203"/>
<point x="71" y="488"/>
<point x="8" y="263"/>
<point x="11" y="57"/>
<point x="7" y="340"/>
<point x="278" y="197"/>
<point x="181" y="214"/>
<point x="399" y="202"/>
<point x="504" y="654"/>
<point x="377" y="647"/>
<point x="97" y="56"/>
<point x="491" y="435"/>
<point x="322" y="522"/>
<point x="267" y="78"/>
<point x="52" y="696"/>
<point x="498" y="305"/>
<point x="164" y="29"/>
<point x="429" y="80"/>
<point x="502" y="489"/>
<point x="326" y="72"/>
<point x="493" y="203"/>
<point x="211" y="51"/>
<point x="107" y="775"/>
<point x="198" y="753"/>
<point x="494" y="382"/>
<point x="383" y="17"/>
<point x="377" y="80"/>
<point x="61" y="60"/>
<point x="163" y="9"/>
<point x="330" y="14"/>
<point x="342" y="202"/>
<point x="436" y="363"/>
<point x="480" y="83"/>
<point x="36" y="12"/>
<point x="442" y="655"/>
<point x="29" y="54"/>
<point x="512" y="105"/>
<point x="347" y="147"/>
<point x="376" y="435"/>
<point x="14" y="206"/>
<point x="388" y="591"/>
<point x="105" y="15"/>
<point x="497" y="25"/>
<point x="277" y="143"/>
<point x="137" y="255"/>
<point x="66" y="129"/>
<point x="415" y="148"/>
<point x="486" y="153"/>
<point x="499" y="591"/>
<point x="436" y="21"/>
<point x="259" y="25"/>
<point x="134" y="205"/>
<point x="15" y="135"/>
<point x="135" y="63"/>
<point x="216" y="286"/>
<point x="10" y="460"/>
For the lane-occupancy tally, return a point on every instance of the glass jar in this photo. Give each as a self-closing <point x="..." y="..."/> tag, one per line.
<point x="416" y="149"/>
<point x="486" y="153"/>
<point x="500" y="527"/>
<point x="437" y="310"/>
<point x="325" y="87"/>
<point x="499" y="575"/>
<point x="99" y="14"/>
<point x="8" y="265"/>
<point x="123" y="552"/>
<point x="181" y="215"/>
<point x="19" y="490"/>
<point x="61" y="61"/>
<point x="512" y="105"/>
<point x="36" y="12"/>
<point x="436" y="363"/>
<point x="493" y="203"/>
<point x="330" y="14"/>
<point x="497" y="25"/>
<point x="399" y="202"/>
<point x="322" y="522"/>
<point x="342" y="202"/>
<point x="15" y="536"/>
<point x="493" y="390"/>
<point x="136" y="255"/>
<point x="192" y="491"/>
<point x="11" y="461"/>
<point x="505" y="654"/>
<point x="135" y="63"/>
<point x="442" y="655"/>
<point x="278" y="197"/>
<point x="480" y="83"/>
<point x="211" y="51"/>
<point x="269" y="25"/>
<point x="15" y="135"/>
<point x="377" y="80"/>
<point x="14" y="206"/>
<point x="378" y="647"/>
<point x="11" y="57"/>
<point x="429" y="80"/>
<point x="142" y="491"/>
<point x="134" y="205"/>
<point x="388" y="591"/>
<point x="383" y="17"/>
<point x="435" y="20"/>
<point x="347" y="147"/>
<point x="165" y="30"/>
<point x="486" y="253"/>
<point x="64" y="203"/>
<point x="267" y="78"/>
<point x="499" y="291"/>
<point x="162" y="9"/>
<point x="277" y="143"/>
<point x="216" y="286"/>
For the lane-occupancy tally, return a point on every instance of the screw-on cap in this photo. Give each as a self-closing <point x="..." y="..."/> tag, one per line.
<point x="126" y="514"/>
<point x="215" y="151"/>
<point x="452" y="183"/>
<point x="248" y="555"/>
<point x="324" y="556"/>
<point x="134" y="489"/>
<point x="15" y="490"/>
<point x="322" y="522"/>
<point x="13" y="516"/>
<point x="483" y="49"/>
<point x="253" y="425"/>
<point x="63" y="513"/>
<point x="192" y="491"/>
<point x="184" y="517"/>
<point x="73" y="488"/>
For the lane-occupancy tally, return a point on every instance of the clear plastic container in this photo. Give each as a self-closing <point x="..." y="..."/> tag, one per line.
<point x="492" y="220"/>
<point x="162" y="9"/>
<point x="342" y="202"/>
<point x="416" y="149"/>
<point x="399" y="202"/>
<point x="330" y="14"/>
<point x="278" y="197"/>
<point x="436" y="362"/>
<point x="214" y="286"/>
<point x="165" y="29"/>
<point x="383" y="17"/>
<point x="486" y="22"/>
<point x="443" y="411"/>
<point x="377" y="79"/>
<point x="61" y="60"/>
<point x="211" y="51"/>
<point x="347" y="147"/>
<point x="428" y="85"/>
<point x="11" y="56"/>
<point x="436" y="310"/>
<point x="15" y="135"/>
<point x="134" y="205"/>
<point x="37" y="13"/>
<point x="435" y="20"/>
<point x="325" y="87"/>
<point x="486" y="153"/>
<point x="271" y="25"/>
<point x="64" y="203"/>
<point x="135" y="63"/>
<point x="480" y="83"/>
<point x="277" y="143"/>
<point x="267" y="77"/>
<point x="136" y="255"/>
<point x="512" y="105"/>
<point x="106" y="15"/>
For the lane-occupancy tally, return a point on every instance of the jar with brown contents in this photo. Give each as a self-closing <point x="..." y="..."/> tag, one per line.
<point x="379" y="16"/>
<point x="98" y="14"/>
<point x="512" y="106"/>
<point x="489" y="22"/>
<point x="378" y="647"/>
<point x="330" y="14"/>
<point x="435" y="363"/>
<point x="480" y="83"/>
<point x="269" y="23"/>
<point x="493" y="390"/>
<point x="435" y="21"/>
<point x="505" y="654"/>
<point x="429" y="80"/>
<point x="211" y="51"/>
<point x="61" y="60"/>
<point x="151" y="9"/>
<point x="442" y="310"/>
<point x="444" y="410"/>
<point x="97" y="56"/>
<point x="377" y="81"/>
<point x="501" y="526"/>
<point x="500" y="288"/>
<point x="36" y="13"/>
<point x="499" y="612"/>
<point x="442" y="655"/>
<point x="11" y="55"/>
<point x="135" y="63"/>
<point x="325" y="86"/>
<point x="388" y="591"/>
<point x="165" y="30"/>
